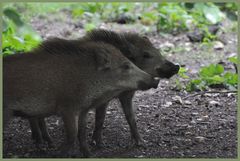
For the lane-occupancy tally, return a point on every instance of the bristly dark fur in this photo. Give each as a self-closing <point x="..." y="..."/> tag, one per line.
<point x="117" y="40"/>
<point x="72" y="47"/>
<point x="106" y="36"/>
<point x="58" y="46"/>
<point x="137" y="39"/>
<point x="125" y="42"/>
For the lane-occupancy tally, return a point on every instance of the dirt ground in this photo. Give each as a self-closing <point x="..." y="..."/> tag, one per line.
<point x="201" y="126"/>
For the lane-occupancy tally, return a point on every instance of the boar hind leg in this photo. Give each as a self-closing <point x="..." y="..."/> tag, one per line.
<point x="126" y="101"/>
<point x="45" y="135"/>
<point x="7" y="115"/>
<point x="39" y="131"/>
<point x="36" y="131"/>
<point x="99" y="120"/>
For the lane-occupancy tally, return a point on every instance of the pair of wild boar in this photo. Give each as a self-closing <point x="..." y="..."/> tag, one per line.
<point x="70" y="77"/>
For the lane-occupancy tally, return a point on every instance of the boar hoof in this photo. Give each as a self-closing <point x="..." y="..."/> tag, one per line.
<point x="97" y="143"/>
<point x="40" y="147"/>
<point x="38" y="141"/>
<point x="139" y="143"/>
<point x="86" y="154"/>
<point x="51" y="146"/>
<point x="66" y="150"/>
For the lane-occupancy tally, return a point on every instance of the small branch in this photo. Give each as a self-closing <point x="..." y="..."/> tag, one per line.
<point x="203" y="92"/>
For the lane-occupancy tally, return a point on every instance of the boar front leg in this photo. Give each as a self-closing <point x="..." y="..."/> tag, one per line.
<point x="99" y="120"/>
<point x="126" y="101"/>
<point x="82" y="136"/>
<point x="70" y="119"/>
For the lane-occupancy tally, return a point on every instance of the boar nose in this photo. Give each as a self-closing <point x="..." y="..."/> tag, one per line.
<point x="155" y="82"/>
<point x="176" y="68"/>
<point x="169" y="67"/>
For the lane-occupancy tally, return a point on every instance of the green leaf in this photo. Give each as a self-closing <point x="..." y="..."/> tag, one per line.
<point x="231" y="78"/>
<point x="195" y="84"/>
<point x="77" y="12"/>
<point x="213" y="14"/>
<point x="210" y="11"/>
<point x="233" y="59"/>
<point x="219" y="69"/>
<point x="14" y="16"/>
<point x="152" y="15"/>
<point x="196" y="81"/>
<point x="216" y="79"/>
<point x="182" y="72"/>
<point x="22" y="39"/>
<point x="211" y="70"/>
<point x="89" y="26"/>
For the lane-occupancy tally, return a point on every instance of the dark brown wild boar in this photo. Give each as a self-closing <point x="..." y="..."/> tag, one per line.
<point x="66" y="78"/>
<point x="143" y="54"/>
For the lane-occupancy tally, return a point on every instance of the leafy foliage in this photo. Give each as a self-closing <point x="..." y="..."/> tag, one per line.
<point x="213" y="75"/>
<point x="233" y="59"/>
<point x="167" y="17"/>
<point x="17" y="36"/>
<point x="208" y="12"/>
<point x="172" y="17"/>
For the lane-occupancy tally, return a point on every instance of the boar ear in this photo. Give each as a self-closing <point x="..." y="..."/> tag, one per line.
<point x="146" y="38"/>
<point x="131" y="53"/>
<point x="102" y="62"/>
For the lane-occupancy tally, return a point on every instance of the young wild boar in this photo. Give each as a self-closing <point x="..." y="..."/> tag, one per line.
<point x="66" y="78"/>
<point x="143" y="54"/>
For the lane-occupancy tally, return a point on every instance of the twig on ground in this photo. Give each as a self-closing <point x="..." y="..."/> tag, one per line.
<point x="203" y="92"/>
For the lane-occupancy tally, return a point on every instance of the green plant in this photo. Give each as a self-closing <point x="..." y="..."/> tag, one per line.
<point x="17" y="36"/>
<point x="172" y="17"/>
<point x="182" y="73"/>
<point x="89" y="26"/>
<point x="213" y="75"/>
<point x="167" y="17"/>
<point x="233" y="59"/>
<point x="210" y="11"/>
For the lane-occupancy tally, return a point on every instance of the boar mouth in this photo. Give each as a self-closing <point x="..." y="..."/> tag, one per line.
<point x="143" y="86"/>
<point x="168" y="73"/>
<point x="152" y="84"/>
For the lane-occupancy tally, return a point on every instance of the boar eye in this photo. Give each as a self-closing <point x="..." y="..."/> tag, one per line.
<point x="126" y="66"/>
<point x="132" y="59"/>
<point x="146" y="55"/>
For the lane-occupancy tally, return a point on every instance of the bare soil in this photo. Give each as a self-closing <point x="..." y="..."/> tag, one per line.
<point x="201" y="126"/>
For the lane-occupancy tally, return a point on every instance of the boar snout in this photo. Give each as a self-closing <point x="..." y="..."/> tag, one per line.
<point x="155" y="81"/>
<point x="176" y="68"/>
<point x="167" y="70"/>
